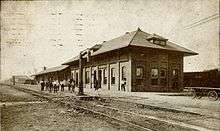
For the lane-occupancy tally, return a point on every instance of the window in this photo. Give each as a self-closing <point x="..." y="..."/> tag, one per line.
<point x="139" y="75"/>
<point x="139" y="72"/>
<point x="100" y="76"/>
<point x="87" y="77"/>
<point x="154" y="76"/>
<point x="104" y="76"/>
<point x="156" y="42"/>
<point x="163" y="73"/>
<point x="174" y="78"/>
<point x="163" y="77"/>
<point x="93" y="77"/>
<point x="163" y="43"/>
<point x="77" y="78"/>
<point x="123" y="72"/>
<point x="154" y="73"/>
<point x="159" y="42"/>
<point x="198" y="76"/>
<point x="175" y="73"/>
<point x="112" y="75"/>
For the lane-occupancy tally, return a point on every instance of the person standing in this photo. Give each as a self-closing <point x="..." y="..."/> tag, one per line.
<point x="55" y="86"/>
<point x="123" y="84"/>
<point x="47" y="85"/>
<point x="58" y="85"/>
<point x="50" y="86"/>
<point x="62" y="85"/>
<point x="73" y="84"/>
<point x="68" y="85"/>
<point x="65" y="82"/>
<point x="42" y="83"/>
<point x="96" y="86"/>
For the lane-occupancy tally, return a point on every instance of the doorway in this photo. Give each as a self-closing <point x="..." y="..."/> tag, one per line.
<point x="175" y="81"/>
<point x="99" y="78"/>
<point x="94" y="78"/>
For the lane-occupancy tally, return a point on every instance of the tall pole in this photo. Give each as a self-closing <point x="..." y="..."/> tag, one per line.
<point x="13" y="80"/>
<point x="80" y="75"/>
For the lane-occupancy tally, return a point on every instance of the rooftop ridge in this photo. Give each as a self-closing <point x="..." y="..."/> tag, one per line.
<point x="132" y="38"/>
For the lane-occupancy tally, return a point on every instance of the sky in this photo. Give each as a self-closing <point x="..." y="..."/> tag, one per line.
<point x="47" y="33"/>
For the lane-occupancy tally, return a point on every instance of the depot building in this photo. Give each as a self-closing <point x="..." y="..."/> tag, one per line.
<point x="59" y="73"/>
<point x="146" y="62"/>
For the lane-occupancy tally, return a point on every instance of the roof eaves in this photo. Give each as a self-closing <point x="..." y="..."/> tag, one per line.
<point x="52" y="69"/>
<point x="190" y="53"/>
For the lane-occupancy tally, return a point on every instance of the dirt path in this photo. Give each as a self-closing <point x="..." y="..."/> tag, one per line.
<point x="9" y="94"/>
<point x="24" y="112"/>
<point x="62" y="113"/>
<point x="50" y="116"/>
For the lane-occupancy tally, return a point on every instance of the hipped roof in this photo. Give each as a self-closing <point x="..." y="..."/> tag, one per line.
<point x="135" y="38"/>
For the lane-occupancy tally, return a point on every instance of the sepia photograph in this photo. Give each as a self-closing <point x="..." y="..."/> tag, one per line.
<point x="110" y="65"/>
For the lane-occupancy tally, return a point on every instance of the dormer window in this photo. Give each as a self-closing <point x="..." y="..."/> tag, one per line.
<point x="159" y="42"/>
<point x="156" y="39"/>
<point x="96" y="47"/>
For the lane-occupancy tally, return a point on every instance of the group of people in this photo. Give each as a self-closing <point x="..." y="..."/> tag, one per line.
<point x="55" y="85"/>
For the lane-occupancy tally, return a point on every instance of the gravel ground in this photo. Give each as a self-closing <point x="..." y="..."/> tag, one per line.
<point x="58" y="117"/>
<point x="29" y="113"/>
<point x="177" y="101"/>
<point x="9" y="94"/>
<point x="51" y="116"/>
<point x="198" y="120"/>
<point x="192" y="119"/>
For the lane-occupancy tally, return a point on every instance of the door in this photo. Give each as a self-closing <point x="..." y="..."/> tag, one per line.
<point x="94" y="77"/>
<point x="99" y="78"/>
<point x="175" y="81"/>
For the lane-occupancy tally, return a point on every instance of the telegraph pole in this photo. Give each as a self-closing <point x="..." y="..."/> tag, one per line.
<point x="80" y="75"/>
<point x="13" y="80"/>
<point x="78" y="27"/>
<point x="81" y="54"/>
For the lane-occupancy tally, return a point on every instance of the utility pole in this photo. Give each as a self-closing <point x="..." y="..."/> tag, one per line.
<point x="81" y="54"/>
<point x="80" y="75"/>
<point x="13" y="80"/>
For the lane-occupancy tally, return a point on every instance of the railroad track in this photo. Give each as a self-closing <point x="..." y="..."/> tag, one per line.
<point x="139" y="121"/>
<point x="32" y="92"/>
<point x="156" y="119"/>
<point x="129" y="125"/>
<point x="129" y="119"/>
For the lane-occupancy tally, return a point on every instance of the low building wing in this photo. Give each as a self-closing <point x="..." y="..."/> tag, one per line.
<point x="52" y="69"/>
